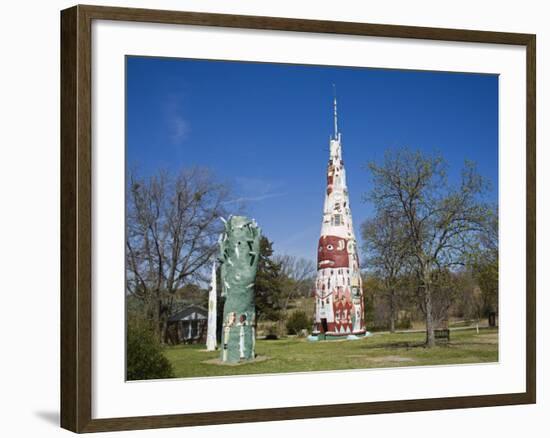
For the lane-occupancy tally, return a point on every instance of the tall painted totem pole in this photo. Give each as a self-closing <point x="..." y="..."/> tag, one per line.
<point x="239" y="255"/>
<point x="338" y="289"/>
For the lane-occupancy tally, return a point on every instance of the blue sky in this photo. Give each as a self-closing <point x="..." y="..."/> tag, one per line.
<point x="264" y="128"/>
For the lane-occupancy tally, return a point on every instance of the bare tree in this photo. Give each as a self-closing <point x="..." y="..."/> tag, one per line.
<point x="387" y="247"/>
<point x="483" y="263"/>
<point x="299" y="273"/>
<point x="172" y="226"/>
<point x="442" y="221"/>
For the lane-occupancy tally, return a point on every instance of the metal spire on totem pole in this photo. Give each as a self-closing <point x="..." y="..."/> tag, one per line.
<point x="335" y="113"/>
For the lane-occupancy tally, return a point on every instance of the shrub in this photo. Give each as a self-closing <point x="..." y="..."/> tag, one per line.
<point x="272" y="332"/>
<point x="403" y="324"/>
<point x="144" y="356"/>
<point x="297" y="322"/>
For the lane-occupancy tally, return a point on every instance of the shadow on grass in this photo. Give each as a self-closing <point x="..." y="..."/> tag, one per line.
<point x="472" y="344"/>
<point x="422" y="345"/>
<point x="396" y="346"/>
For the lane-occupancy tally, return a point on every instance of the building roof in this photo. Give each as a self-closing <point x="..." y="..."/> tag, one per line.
<point x="190" y="313"/>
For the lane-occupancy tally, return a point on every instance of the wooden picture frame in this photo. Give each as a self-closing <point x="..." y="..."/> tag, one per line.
<point x="76" y="217"/>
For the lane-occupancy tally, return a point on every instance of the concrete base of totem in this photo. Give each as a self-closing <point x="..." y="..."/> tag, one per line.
<point x="218" y="361"/>
<point x="323" y="337"/>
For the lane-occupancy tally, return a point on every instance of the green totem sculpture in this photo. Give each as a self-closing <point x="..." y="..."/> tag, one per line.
<point x="239" y="254"/>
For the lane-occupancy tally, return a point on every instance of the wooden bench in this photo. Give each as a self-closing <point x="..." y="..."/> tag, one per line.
<point x="442" y="335"/>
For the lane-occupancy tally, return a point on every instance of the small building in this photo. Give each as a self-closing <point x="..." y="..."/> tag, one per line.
<point x="189" y="325"/>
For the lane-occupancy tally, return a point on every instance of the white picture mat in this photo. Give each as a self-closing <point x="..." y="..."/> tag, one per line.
<point x="113" y="397"/>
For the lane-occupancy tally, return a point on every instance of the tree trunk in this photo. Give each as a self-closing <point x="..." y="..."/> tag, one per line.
<point x="153" y="316"/>
<point x="164" y="330"/>
<point x="392" y="311"/>
<point x="161" y="322"/>
<point x="430" y="335"/>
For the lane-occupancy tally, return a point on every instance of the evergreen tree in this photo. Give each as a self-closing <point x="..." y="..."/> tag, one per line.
<point x="269" y="284"/>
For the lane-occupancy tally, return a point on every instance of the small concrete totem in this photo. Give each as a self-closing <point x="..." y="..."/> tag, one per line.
<point x="239" y="255"/>
<point x="212" y="312"/>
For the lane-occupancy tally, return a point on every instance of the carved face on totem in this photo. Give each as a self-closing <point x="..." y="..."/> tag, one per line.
<point x="332" y="253"/>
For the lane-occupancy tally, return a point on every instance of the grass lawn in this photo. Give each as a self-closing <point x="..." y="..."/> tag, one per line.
<point x="378" y="351"/>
